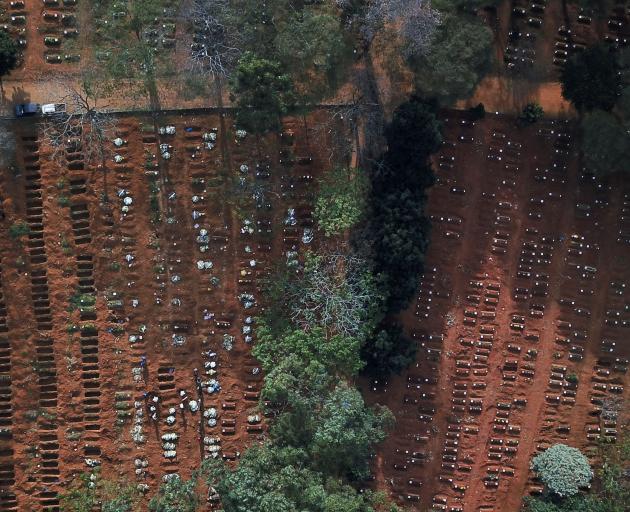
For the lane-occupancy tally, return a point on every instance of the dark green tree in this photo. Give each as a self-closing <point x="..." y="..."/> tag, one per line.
<point x="457" y="59"/>
<point x="531" y="113"/>
<point x="590" y="79"/>
<point x="605" y="143"/>
<point x="272" y="479"/>
<point x="346" y="432"/>
<point x="263" y="94"/>
<point x="388" y="351"/>
<point x="313" y="49"/>
<point x="8" y="54"/>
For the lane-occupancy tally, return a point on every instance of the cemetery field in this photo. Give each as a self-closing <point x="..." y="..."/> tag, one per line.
<point x="521" y="319"/>
<point x="129" y="293"/>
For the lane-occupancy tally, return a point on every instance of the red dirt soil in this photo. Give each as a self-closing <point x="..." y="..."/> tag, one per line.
<point x="511" y="249"/>
<point x="69" y="393"/>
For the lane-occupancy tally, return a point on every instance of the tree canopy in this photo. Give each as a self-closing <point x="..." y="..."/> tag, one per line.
<point x="312" y="48"/>
<point x="8" y="53"/>
<point x="590" y="79"/>
<point x="563" y="469"/>
<point x="340" y="202"/>
<point x="270" y="479"/>
<point x="605" y="143"/>
<point x="456" y="60"/>
<point x="263" y="94"/>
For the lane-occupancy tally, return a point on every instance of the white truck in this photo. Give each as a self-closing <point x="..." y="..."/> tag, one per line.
<point x="53" y="108"/>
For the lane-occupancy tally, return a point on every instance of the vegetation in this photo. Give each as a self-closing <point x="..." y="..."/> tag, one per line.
<point x="610" y="490"/>
<point x="341" y="200"/>
<point x="18" y="230"/>
<point x="531" y="113"/>
<point x="8" y="53"/>
<point x="563" y="469"/>
<point x="89" y="490"/>
<point x="263" y="94"/>
<point x="177" y="495"/>
<point x="604" y="105"/>
<point x="314" y="51"/>
<point x="395" y="236"/>
<point x="458" y="57"/>
<point x="590" y="79"/>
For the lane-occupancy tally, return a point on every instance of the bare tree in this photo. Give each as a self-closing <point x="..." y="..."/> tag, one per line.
<point x="336" y="291"/>
<point x="342" y="128"/>
<point x="414" y="20"/>
<point x="85" y="126"/>
<point x="215" y="48"/>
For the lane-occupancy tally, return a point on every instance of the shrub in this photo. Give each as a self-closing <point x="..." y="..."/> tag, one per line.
<point x="18" y="230"/>
<point x="563" y="469"/>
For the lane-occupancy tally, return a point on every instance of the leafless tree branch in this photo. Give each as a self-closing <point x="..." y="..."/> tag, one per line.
<point x="335" y="292"/>
<point x="215" y="48"/>
<point x="85" y="126"/>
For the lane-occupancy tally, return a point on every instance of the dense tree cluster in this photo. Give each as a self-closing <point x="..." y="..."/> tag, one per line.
<point x="458" y="58"/>
<point x="396" y="234"/>
<point x="8" y="53"/>
<point x="590" y="79"/>
<point x="596" y="82"/>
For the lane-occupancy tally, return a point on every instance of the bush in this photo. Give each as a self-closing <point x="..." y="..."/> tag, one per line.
<point x="531" y="113"/>
<point x="563" y="469"/>
<point x="341" y="200"/>
<point x="18" y="230"/>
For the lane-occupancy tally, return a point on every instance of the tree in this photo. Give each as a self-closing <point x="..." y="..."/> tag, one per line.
<point x="313" y="50"/>
<point x="8" y="54"/>
<point x="605" y="143"/>
<point x="273" y="479"/>
<point x="341" y="200"/>
<point x="338" y="354"/>
<point x="263" y="94"/>
<point x="176" y="495"/>
<point x="396" y="234"/>
<point x="388" y="351"/>
<point x="563" y="469"/>
<point x="590" y="79"/>
<point x="467" y="6"/>
<point x="457" y="59"/>
<point x="86" y="125"/>
<point x="531" y="113"/>
<point x="334" y="291"/>
<point x="345" y="433"/>
<point x="217" y="46"/>
<point x="415" y="22"/>
<point x="413" y="135"/>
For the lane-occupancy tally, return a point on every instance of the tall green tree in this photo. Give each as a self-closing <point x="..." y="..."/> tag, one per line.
<point x="340" y="202"/>
<point x="263" y="94"/>
<point x="8" y="54"/>
<point x="605" y="143"/>
<point x="591" y="80"/>
<point x="345" y="433"/>
<point x="314" y="51"/>
<point x="271" y="479"/>
<point x="457" y="59"/>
